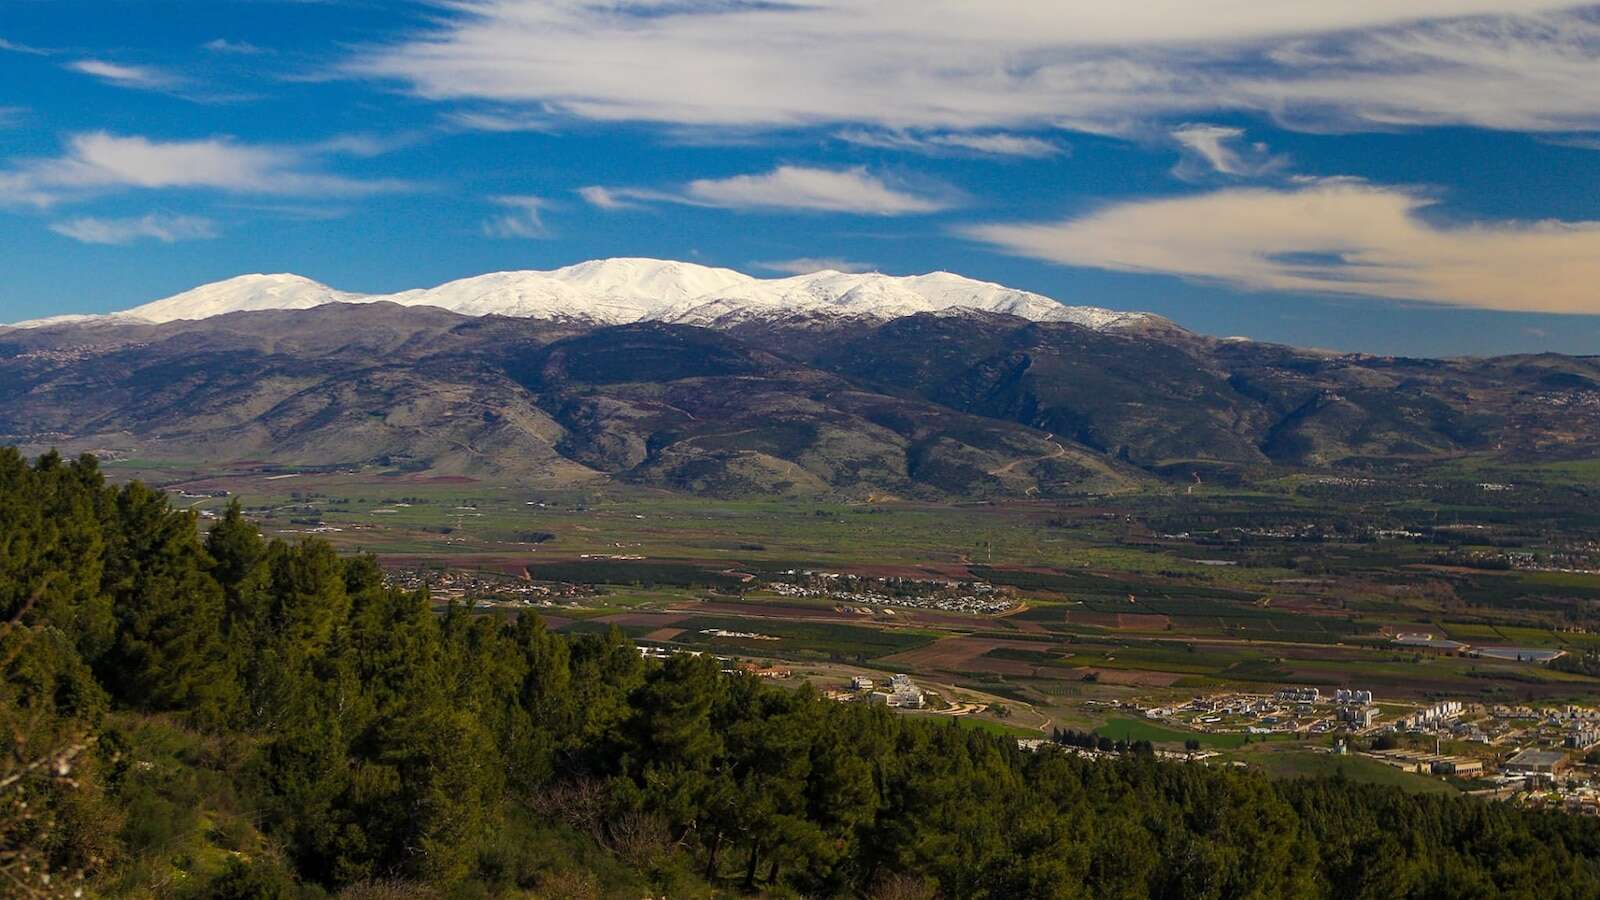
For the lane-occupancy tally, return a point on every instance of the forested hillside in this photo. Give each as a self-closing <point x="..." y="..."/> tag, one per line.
<point x="221" y="716"/>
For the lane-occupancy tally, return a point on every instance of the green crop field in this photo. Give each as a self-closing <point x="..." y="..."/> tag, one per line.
<point x="800" y="639"/>
<point x="1122" y="729"/>
<point x="1310" y="764"/>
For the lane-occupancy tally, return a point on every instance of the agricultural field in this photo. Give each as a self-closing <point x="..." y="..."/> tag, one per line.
<point x="1298" y="580"/>
<point x="1285" y="762"/>
<point x="1124" y="729"/>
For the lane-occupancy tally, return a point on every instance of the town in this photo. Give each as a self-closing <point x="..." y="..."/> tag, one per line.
<point x="447" y="585"/>
<point x="946" y="595"/>
<point x="1535" y="755"/>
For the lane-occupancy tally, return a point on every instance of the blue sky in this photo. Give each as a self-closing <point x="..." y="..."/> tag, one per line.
<point x="1409" y="178"/>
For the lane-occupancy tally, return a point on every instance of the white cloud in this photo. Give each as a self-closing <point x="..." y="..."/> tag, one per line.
<point x="156" y="226"/>
<point x="806" y="265"/>
<point x="1576" y="141"/>
<point x="124" y="76"/>
<point x="1221" y="150"/>
<point x="1005" y="64"/>
<point x="17" y="189"/>
<point x="998" y="144"/>
<point x="990" y="144"/>
<point x="500" y="121"/>
<point x="605" y="198"/>
<point x="804" y="188"/>
<point x="364" y="145"/>
<point x="786" y="187"/>
<point x="236" y="48"/>
<point x="1329" y="236"/>
<point x="15" y="47"/>
<point x="98" y="161"/>
<point x="525" y="220"/>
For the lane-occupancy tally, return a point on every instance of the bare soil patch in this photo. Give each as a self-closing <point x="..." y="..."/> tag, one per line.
<point x="966" y="654"/>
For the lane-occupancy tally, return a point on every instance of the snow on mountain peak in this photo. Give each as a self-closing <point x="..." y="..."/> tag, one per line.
<point x="617" y="291"/>
<point x="243" y="293"/>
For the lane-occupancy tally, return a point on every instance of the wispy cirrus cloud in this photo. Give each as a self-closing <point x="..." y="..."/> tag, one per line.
<point x="1329" y="236"/>
<point x="143" y="77"/>
<point x="606" y="198"/>
<point x="364" y="145"/>
<point x="1221" y="150"/>
<point x="14" y="47"/>
<point x="947" y="143"/>
<point x="1008" y="64"/>
<point x="524" y="218"/>
<point x="1576" y="141"/>
<point x="800" y="188"/>
<point x="97" y="162"/>
<point x="234" y="48"/>
<point x="807" y="265"/>
<point x="167" y="229"/>
<point x="480" y="120"/>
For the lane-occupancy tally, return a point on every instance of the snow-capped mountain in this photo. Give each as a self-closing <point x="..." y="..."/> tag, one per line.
<point x="619" y="291"/>
<point x="246" y="293"/>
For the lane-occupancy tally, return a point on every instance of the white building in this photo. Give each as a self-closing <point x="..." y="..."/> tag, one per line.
<point x="1299" y="695"/>
<point x="1358" y="716"/>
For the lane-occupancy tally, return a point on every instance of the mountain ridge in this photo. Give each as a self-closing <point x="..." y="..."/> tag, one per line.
<point x="976" y="405"/>
<point x="623" y="290"/>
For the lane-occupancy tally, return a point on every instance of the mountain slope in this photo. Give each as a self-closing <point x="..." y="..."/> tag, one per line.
<point x="1175" y="403"/>
<point x="670" y="406"/>
<point x="948" y="404"/>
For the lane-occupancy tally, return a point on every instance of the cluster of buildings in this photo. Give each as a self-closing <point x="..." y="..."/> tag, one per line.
<point x="1569" y="728"/>
<point x="902" y="692"/>
<point x="1249" y="713"/>
<point x="1308" y="710"/>
<point x="1572" y="727"/>
<point x="728" y="665"/>
<point x="1426" y="763"/>
<point x="1582" y="737"/>
<point x="1289" y="710"/>
<point x="1529" y="754"/>
<point x="1439" y="714"/>
<point x="1358" y="717"/>
<point x="487" y="588"/>
<point x="913" y="593"/>
<point x="740" y="635"/>
<point x="1298" y="695"/>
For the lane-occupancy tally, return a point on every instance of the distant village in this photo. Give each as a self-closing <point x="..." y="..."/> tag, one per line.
<point x="913" y="593"/>
<point x="1537" y="754"/>
<point x="486" y="588"/>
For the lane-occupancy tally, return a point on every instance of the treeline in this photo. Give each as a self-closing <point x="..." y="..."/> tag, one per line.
<point x="1586" y="662"/>
<point x="1088" y="740"/>
<point x="374" y="740"/>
